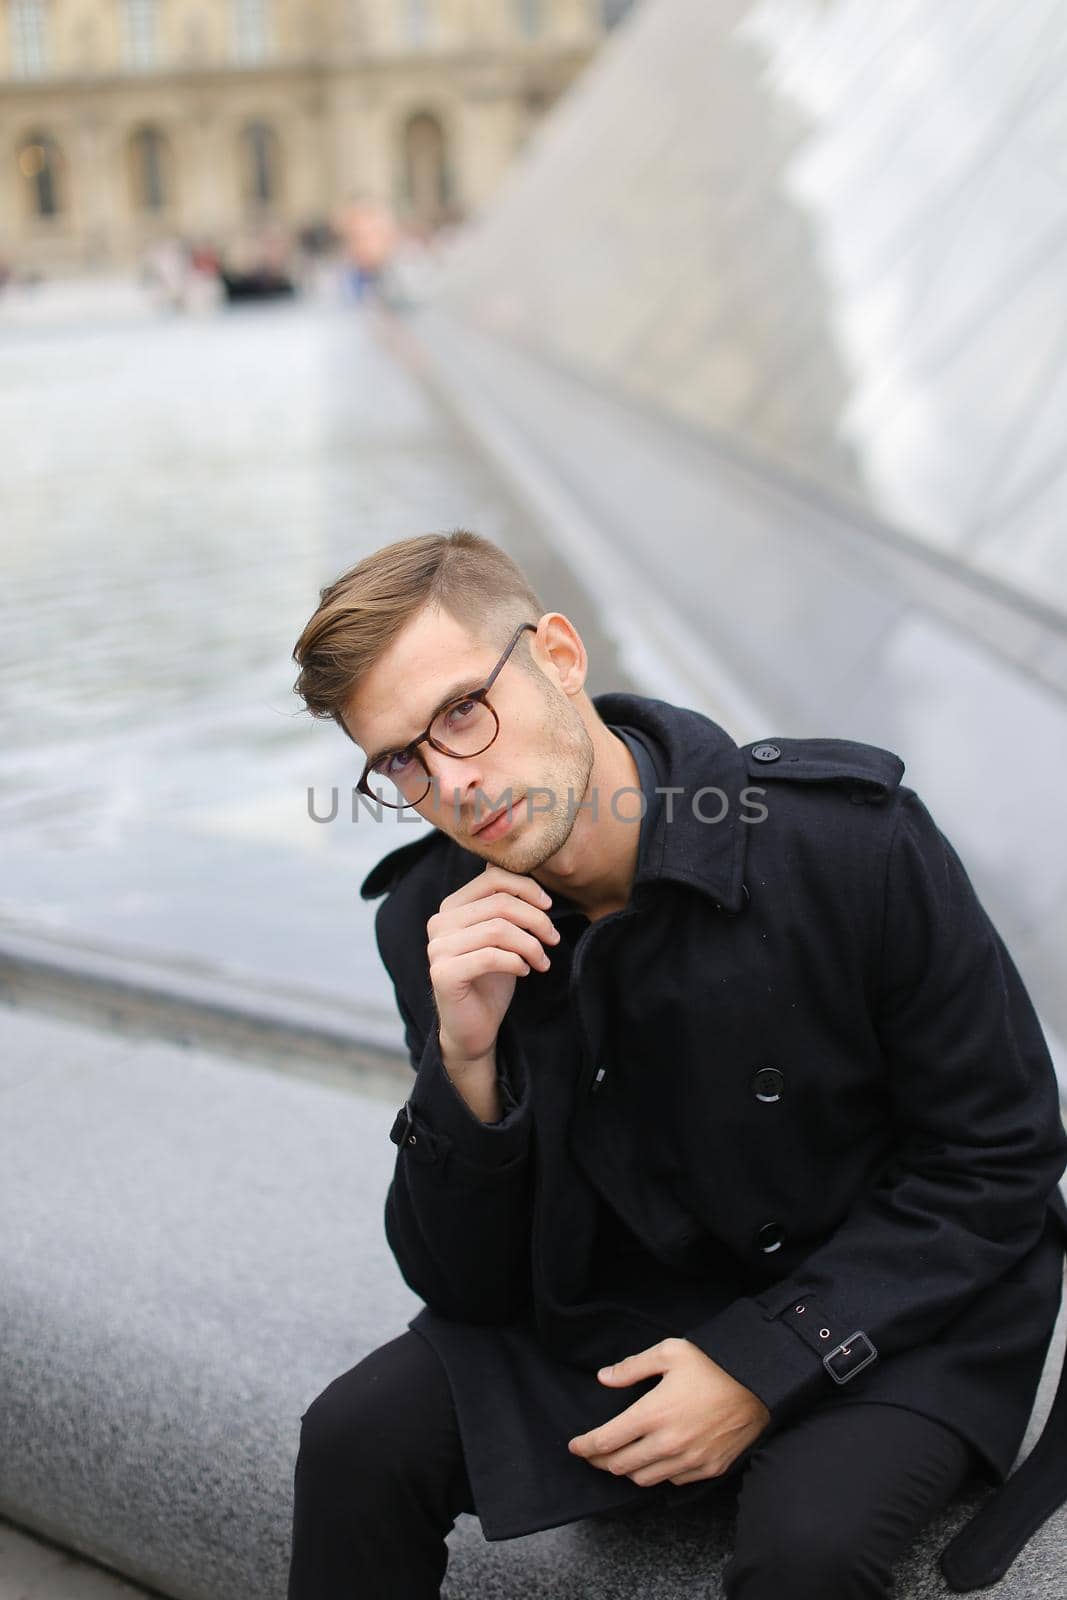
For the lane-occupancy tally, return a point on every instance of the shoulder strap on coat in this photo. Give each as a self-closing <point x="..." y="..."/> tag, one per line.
<point x="393" y="866"/>
<point x="871" y="772"/>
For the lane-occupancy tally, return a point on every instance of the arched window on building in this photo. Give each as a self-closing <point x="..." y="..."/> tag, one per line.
<point x="139" y="33"/>
<point x="531" y="17"/>
<point x="251" y="29"/>
<point x="40" y="162"/>
<point x="27" y="31"/>
<point x="149" y="154"/>
<point x="427" y="184"/>
<point x="261" y="164"/>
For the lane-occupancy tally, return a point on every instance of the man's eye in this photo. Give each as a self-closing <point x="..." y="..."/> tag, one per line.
<point x="391" y="766"/>
<point x="461" y="712"/>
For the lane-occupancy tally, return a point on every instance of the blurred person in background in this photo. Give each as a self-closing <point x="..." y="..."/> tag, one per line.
<point x="166" y="268"/>
<point x="367" y="232"/>
<point x="204" y="291"/>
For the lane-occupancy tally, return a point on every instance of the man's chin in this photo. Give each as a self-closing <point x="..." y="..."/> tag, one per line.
<point x="517" y="854"/>
<point x="540" y="840"/>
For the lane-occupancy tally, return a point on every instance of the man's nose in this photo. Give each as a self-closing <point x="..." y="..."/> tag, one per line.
<point x="454" y="781"/>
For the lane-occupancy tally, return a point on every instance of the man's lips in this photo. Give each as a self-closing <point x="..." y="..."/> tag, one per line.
<point x="490" y="820"/>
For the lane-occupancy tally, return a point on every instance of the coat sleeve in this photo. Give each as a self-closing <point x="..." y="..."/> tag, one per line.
<point x="979" y="1146"/>
<point x="458" y="1209"/>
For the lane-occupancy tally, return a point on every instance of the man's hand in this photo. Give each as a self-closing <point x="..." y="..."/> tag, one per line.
<point x="485" y="936"/>
<point x="692" y="1425"/>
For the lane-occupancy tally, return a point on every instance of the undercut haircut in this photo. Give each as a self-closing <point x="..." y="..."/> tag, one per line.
<point x="362" y="612"/>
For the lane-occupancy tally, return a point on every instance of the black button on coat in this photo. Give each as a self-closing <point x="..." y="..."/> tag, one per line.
<point x="791" y="1103"/>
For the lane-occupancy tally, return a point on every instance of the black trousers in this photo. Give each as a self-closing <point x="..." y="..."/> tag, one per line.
<point x="824" y="1509"/>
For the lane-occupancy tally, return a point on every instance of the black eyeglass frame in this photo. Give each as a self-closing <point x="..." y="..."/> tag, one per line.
<point x="425" y="737"/>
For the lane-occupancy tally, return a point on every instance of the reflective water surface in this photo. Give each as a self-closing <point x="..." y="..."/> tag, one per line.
<point x="174" y="495"/>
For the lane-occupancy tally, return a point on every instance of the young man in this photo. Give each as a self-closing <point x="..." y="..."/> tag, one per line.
<point x="731" y="1157"/>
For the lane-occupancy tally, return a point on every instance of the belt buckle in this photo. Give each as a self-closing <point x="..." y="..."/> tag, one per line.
<point x="845" y="1348"/>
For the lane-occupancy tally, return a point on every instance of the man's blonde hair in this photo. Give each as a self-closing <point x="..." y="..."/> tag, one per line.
<point x="361" y="612"/>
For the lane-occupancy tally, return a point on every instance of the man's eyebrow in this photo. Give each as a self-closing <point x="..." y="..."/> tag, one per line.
<point x="464" y="686"/>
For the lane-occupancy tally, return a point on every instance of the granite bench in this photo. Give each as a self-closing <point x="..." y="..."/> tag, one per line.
<point x="193" y="1249"/>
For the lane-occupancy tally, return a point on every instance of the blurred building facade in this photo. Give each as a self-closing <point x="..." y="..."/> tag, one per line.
<point x="126" y="121"/>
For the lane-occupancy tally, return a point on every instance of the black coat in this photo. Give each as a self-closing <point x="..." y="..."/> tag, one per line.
<point x="798" y="1070"/>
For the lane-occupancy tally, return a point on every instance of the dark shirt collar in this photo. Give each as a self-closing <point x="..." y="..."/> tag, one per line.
<point x="649" y="781"/>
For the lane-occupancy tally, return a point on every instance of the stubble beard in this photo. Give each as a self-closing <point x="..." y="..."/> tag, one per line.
<point x="547" y="831"/>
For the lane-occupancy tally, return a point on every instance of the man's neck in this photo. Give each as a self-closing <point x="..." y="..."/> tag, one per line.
<point x="595" y="869"/>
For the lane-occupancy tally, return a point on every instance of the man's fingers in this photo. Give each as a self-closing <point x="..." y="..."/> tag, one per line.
<point x="492" y="881"/>
<point x="646" y="1460"/>
<point x="495" y="933"/>
<point x="698" y="1475"/>
<point x="491" y="908"/>
<point x="631" y="1424"/>
<point x="465" y="969"/>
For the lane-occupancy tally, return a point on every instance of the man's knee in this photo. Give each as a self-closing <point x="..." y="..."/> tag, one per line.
<point x="365" y="1419"/>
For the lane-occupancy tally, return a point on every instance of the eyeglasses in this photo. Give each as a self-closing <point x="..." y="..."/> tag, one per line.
<point x="462" y="727"/>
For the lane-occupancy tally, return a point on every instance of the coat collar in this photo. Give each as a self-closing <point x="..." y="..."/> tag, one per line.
<point x="690" y="754"/>
<point x="682" y="844"/>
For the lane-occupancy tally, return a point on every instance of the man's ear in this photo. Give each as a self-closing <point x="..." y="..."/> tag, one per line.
<point x="560" y="651"/>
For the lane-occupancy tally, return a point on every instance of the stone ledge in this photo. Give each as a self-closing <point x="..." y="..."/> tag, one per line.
<point x="199" y="1252"/>
<point x="193" y="1005"/>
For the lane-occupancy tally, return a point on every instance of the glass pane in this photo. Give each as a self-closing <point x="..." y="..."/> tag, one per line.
<point x="251" y="30"/>
<point x="139" y="33"/>
<point x="28" y="54"/>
